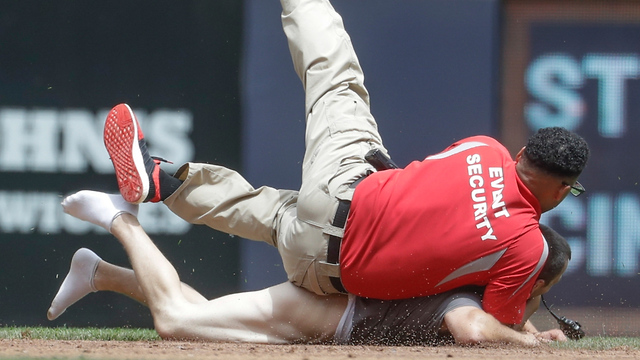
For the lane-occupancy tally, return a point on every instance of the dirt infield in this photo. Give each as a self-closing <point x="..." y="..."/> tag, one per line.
<point x="61" y="349"/>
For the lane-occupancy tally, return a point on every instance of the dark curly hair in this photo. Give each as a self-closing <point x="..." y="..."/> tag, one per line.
<point x="557" y="151"/>
<point x="559" y="254"/>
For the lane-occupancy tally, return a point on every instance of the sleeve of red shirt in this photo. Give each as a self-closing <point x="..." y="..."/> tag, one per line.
<point x="505" y="296"/>
<point x="507" y="310"/>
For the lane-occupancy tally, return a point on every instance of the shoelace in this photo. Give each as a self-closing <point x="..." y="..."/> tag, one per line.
<point x="158" y="159"/>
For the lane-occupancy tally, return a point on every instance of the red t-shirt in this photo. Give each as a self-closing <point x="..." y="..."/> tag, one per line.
<point x="460" y="217"/>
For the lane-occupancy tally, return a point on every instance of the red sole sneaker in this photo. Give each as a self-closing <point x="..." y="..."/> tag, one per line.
<point x="121" y="138"/>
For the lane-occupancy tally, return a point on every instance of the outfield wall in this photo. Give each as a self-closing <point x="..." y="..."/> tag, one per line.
<point x="576" y="64"/>
<point x="62" y="67"/>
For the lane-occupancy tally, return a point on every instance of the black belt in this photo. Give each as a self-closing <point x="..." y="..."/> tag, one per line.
<point x="333" y="250"/>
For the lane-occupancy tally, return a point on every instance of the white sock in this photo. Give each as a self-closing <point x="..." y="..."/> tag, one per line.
<point x="77" y="284"/>
<point x="97" y="207"/>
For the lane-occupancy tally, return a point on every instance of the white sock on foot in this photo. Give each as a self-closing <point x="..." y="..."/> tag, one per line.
<point x="97" y="207"/>
<point x="77" y="284"/>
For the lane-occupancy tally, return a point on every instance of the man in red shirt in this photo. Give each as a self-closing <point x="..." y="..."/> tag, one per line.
<point x="478" y="224"/>
<point x="466" y="216"/>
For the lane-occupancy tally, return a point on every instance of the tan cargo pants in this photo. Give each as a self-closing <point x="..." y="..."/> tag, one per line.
<point x="340" y="130"/>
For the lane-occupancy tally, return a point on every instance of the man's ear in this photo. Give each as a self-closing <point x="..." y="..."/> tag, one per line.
<point x="539" y="284"/>
<point x="519" y="154"/>
<point x="561" y="192"/>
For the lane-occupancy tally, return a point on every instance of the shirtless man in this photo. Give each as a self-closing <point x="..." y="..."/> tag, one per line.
<point x="283" y="313"/>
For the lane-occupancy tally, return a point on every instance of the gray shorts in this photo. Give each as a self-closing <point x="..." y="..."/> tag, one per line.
<point x="408" y="322"/>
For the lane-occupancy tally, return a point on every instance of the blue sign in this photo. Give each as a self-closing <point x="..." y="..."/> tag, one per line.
<point x="585" y="76"/>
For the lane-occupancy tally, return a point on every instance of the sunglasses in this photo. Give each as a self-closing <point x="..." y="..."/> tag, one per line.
<point x="576" y="189"/>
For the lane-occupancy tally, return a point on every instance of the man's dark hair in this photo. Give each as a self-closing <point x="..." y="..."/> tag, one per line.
<point x="559" y="254"/>
<point x="557" y="151"/>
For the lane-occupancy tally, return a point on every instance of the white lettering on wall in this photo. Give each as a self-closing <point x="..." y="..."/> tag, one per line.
<point x="609" y="228"/>
<point x="554" y="80"/>
<point x="40" y="212"/>
<point x="70" y="141"/>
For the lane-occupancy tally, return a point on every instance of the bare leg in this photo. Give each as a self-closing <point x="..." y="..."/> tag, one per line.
<point x="122" y="280"/>
<point x="281" y="314"/>
<point x="89" y="273"/>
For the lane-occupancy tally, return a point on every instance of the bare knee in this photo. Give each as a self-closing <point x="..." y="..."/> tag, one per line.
<point x="169" y="324"/>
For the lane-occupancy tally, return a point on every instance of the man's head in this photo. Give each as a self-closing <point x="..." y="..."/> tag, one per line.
<point x="550" y="164"/>
<point x="557" y="261"/>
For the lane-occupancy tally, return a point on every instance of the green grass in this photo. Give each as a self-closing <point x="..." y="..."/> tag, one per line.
<point x="128" y="334"/>
<point x="600" y="343"/>
<point x="64" y="333"/>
